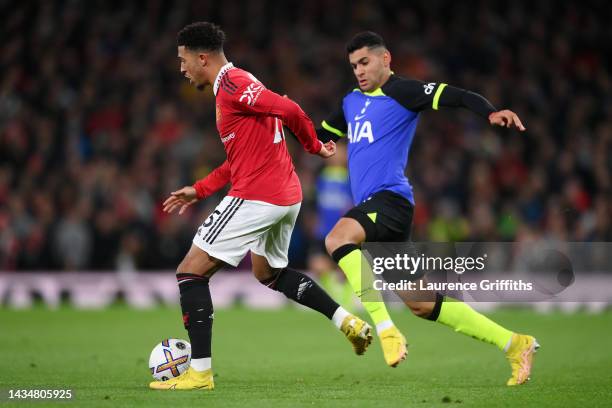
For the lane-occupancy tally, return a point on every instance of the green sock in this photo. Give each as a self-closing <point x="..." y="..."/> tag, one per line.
<point x="463" y="319"/>
<point x="370" y="298"/>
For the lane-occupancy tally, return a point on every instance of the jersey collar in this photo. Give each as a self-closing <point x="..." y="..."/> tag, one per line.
<point x="222" y="72"/>
<point x="378" y="91"/>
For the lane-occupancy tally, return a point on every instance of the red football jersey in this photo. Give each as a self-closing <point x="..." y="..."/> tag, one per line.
<point x="250" y="122"/>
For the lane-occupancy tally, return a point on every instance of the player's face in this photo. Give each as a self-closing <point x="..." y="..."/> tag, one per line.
<point x="192" y="66"/>
<point x="371" y="67"/>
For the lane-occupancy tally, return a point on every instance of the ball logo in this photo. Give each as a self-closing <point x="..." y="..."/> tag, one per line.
<point x="170" y="358"/>
<point x="171" y="363"/>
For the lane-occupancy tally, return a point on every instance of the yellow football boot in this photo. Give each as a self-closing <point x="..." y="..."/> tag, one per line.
<point x="189" y="380"/>
<point x="394" y="346"/>
<point x="520" y="356"/>
<point x="358" y="332"/>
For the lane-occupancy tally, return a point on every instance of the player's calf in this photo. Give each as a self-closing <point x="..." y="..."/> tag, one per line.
<point x="196" y="304"/>
<point x="302" y="289"/>
<point x="198" y="314"/>
<point x="305" y="291"/>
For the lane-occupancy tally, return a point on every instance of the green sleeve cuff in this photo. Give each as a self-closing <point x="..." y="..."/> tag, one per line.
<point x="436" y="98"/>
<point x="332" y="129"/>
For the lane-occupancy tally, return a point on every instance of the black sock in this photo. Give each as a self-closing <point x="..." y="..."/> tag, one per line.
<point x="302" y="289"/>
<point x="197" y="307"/>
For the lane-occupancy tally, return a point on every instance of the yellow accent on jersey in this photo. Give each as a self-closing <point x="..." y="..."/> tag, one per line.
<point x="376" y="92"/>
<point x="436" y="98"/>
<point x="332" y="129"/>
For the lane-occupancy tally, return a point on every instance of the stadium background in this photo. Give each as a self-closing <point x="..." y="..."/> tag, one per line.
<point x="97" y="126"/>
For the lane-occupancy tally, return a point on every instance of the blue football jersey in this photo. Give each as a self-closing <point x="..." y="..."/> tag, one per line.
<point x="380" y="126"/>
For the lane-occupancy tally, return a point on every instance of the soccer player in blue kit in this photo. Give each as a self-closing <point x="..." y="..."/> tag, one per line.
<point x="379" y="119"/>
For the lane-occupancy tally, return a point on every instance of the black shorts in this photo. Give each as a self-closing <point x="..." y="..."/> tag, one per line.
<point x="386" y="217"/>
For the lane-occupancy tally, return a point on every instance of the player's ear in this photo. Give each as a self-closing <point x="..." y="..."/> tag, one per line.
<point x="203" y="58"/>
<point x="387" y="59"/>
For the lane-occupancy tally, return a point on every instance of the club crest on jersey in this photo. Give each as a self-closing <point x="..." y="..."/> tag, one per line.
<point x="362" y="113"/>
<point x="361" y="131"/>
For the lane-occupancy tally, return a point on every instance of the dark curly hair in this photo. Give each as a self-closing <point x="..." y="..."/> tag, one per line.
<point x="365" y="39"/>
<point x="203" y="36"/>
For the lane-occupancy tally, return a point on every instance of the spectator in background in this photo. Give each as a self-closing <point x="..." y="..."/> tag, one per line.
<point x="89" y="102"/>
<point x="333" y="200"/>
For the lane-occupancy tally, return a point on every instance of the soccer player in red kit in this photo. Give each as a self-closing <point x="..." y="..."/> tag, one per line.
<point x="260" y="210"/>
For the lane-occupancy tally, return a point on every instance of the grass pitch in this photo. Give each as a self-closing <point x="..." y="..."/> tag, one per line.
<point x="293" y="358"/>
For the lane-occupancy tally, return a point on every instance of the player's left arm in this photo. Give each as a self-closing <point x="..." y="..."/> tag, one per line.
<point x="454" y="97"/>
<point x="418" y="96"/>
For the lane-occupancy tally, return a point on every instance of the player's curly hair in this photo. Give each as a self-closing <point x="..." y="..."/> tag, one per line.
<point x="202" y="36"/>
<point x="365" y="39"/>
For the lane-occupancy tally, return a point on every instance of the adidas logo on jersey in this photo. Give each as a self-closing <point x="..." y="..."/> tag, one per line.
<point x="361" y="131"/>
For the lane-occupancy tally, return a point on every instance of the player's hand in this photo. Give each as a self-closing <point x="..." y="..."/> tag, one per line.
<point x="328" y="149"/>
<point x="506" y="118"/>
<point x="180" y="199"/>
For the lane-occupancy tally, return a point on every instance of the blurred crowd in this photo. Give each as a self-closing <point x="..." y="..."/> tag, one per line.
<point x="98" y="126"/>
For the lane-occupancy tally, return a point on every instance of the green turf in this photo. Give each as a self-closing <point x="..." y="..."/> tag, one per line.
<point x="292" y="358"/>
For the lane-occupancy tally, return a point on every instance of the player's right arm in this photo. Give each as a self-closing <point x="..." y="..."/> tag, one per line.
<point x="203" y="188"/>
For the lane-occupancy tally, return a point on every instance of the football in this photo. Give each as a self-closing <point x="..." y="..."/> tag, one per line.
<point x="169" y="359"/>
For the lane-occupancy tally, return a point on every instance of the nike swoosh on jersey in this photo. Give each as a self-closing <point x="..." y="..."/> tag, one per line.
<point x="359" y="117"/>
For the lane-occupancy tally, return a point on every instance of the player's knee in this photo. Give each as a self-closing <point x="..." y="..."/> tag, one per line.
<point x="270" y="279"/>
<point x="420" y="309"/>
<point x="263" y="275"/>
<point x="188" y="266"/>
<point x="333" y="241"/>
<point x="201" y="264"/>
